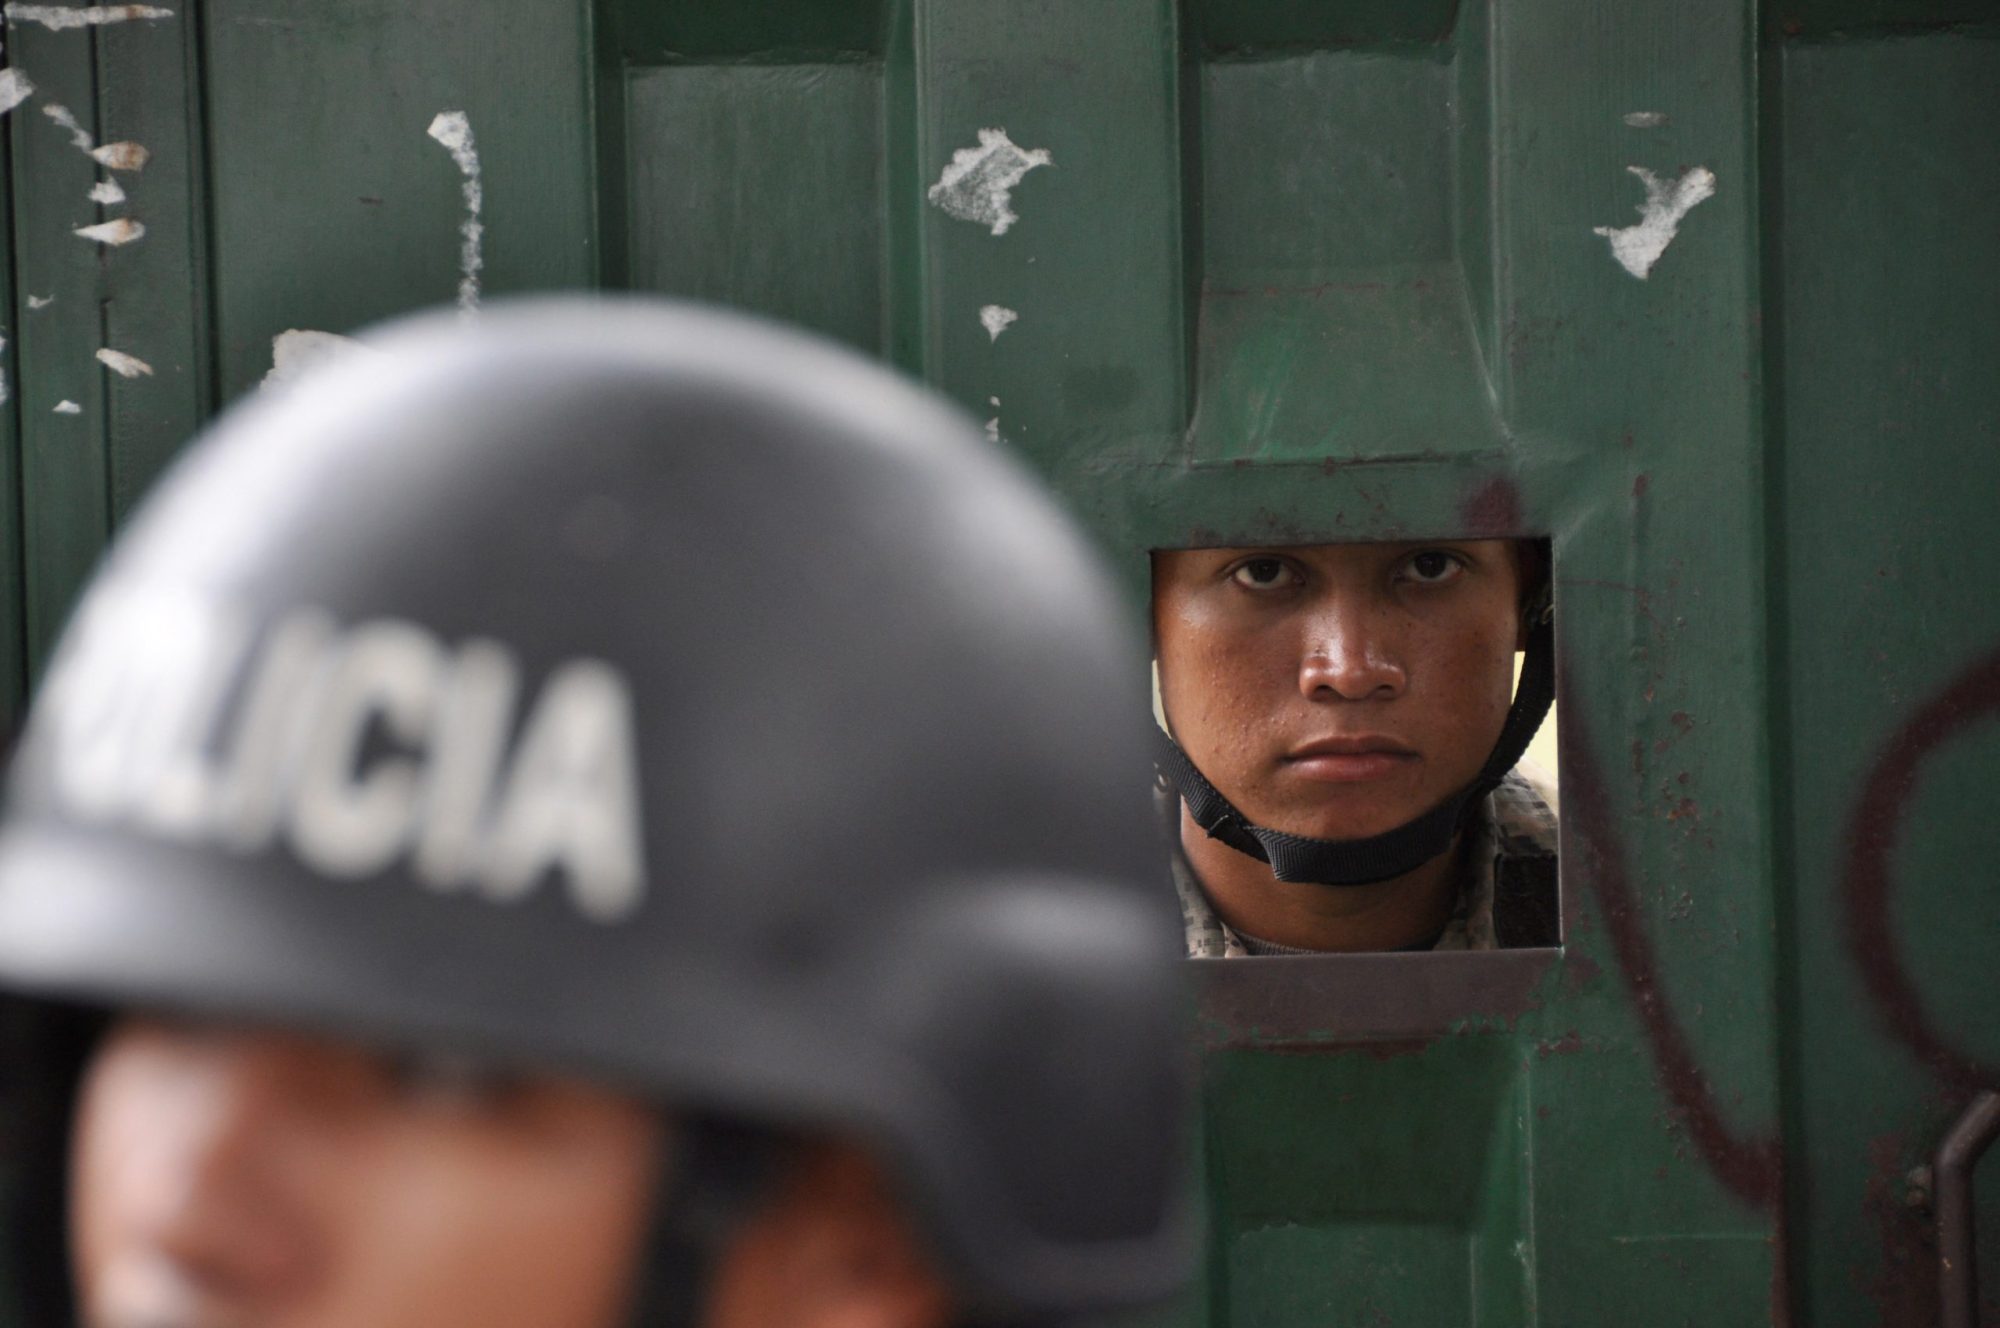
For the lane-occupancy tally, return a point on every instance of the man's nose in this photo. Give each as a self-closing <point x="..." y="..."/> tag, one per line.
<point x="1350" y="654"/>
<point x="226" y="1169"/>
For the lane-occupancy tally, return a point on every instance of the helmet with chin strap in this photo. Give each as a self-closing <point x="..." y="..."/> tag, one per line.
<point x="650" y="693"/>
<point x="1404" y="848"/>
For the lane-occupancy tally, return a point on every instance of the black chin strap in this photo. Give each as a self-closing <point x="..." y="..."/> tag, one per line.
<point x="718" y="1174"/>
<point x="1393" y="852"/>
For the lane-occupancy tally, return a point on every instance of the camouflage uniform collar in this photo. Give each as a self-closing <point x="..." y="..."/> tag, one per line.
<point x="1512" y="856"/>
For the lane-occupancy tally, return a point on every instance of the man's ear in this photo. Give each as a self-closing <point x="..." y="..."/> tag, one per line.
<point x="834" y="1248"/>
<point x="1532" y="568"/>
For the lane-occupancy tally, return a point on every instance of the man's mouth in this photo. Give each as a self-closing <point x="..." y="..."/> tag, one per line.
<point x="1350" y="759"/>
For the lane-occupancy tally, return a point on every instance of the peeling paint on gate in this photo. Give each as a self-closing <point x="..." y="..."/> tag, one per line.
<point x="978" y="184"/>
<point x="125" y="366"/>
<point x="1638" y="246"/>
<point x="66" y="120"/>
<point x="58" y="18"/>
<point x="120" y="231"/>
<point x="122" y="156"/>
<point x="295" y="350"/>
<point x="14" y="89"/>
<point x="454" y="132"/>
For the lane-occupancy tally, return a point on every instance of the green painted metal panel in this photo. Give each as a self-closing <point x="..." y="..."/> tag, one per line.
<point x="1890" y="450"/>
<point x="1287" y="271"/>
<point x="13" y="612"/>
<point x="155" y="299"/>
<point x="761" y="186"/>
<point x="330" y="203"/>
<point x="1092" y="368"/>
<point x="1347" y="1190"/>
<point x="63" y="395"/>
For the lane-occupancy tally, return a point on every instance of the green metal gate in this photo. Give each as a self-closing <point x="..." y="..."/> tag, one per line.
<point x="1707" y="292"/>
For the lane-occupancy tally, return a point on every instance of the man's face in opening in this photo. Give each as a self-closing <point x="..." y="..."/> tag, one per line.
<point x="1338" y="690"/>
<point x="223" y="1178"/>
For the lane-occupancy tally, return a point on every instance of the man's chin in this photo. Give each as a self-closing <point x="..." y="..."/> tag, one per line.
<point x="1349" y="818"/>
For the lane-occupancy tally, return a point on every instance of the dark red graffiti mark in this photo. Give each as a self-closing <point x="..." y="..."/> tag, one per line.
<point x="1751" y="1169"/>
<point x="1872" y="833"/>
<point x="1494" y="508"/>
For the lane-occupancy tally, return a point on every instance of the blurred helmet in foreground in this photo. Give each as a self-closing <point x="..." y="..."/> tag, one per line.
<point x="658" y="695"/>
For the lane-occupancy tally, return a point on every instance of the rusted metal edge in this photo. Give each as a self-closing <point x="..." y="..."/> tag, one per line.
<point x="1958" y="1273"/>
<point x="1364" y="998"/>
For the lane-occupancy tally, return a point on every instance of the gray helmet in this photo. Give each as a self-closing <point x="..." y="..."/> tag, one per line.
<point x="651" y="692"/>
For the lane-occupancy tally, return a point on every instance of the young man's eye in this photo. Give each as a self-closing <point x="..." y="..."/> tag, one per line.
<point x="457" y="1083"/>
<point x="1433" y="567"/>
<point x="1263" y="574"/>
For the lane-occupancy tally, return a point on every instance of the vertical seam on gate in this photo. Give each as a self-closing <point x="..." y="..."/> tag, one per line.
<point x="1782" y="852"/>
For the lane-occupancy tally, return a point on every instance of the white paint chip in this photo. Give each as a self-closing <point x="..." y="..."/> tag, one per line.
<point x="124" y="155"/>
<point x="296" y="350"/>
<point x="1639" y="246"/>
<point x="454" y="131"/>
<point x="978" y="184"/>
<point x="79" y="137"/>
<point x="68" y="408"/>
<point x="58" y="17"/>
<point x="107" y="192"/>
<point x="993" y="429"/>
<point x="40" y="301"/>
<point x="125" y="366"/>
<point x="14" y="89"/>
<point x="122" y="230"/>
<point x="1645" y="119"/>
<point x="996" y="318"/>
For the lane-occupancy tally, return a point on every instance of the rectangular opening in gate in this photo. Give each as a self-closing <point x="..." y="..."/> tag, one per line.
<point x="1367" y="757"/>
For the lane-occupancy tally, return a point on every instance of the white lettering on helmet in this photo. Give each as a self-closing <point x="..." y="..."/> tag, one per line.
<point x="148" y="673"/>
<point x="350" y="816"/>
<point x="573" y="795"/>
<point x="363" y="747"/>
<point x="279" y="703"/>
<point x="469" y="742"/>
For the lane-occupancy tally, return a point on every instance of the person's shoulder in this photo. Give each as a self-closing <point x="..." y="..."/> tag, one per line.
<point x="1527" y="909"/>
<point x="1524" y="810"/>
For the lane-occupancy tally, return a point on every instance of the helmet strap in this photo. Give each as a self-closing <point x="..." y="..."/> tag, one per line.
<point x="716" y="1177"/>
<point x="1393" y="853"/>
<point x="44" y="1049"/>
